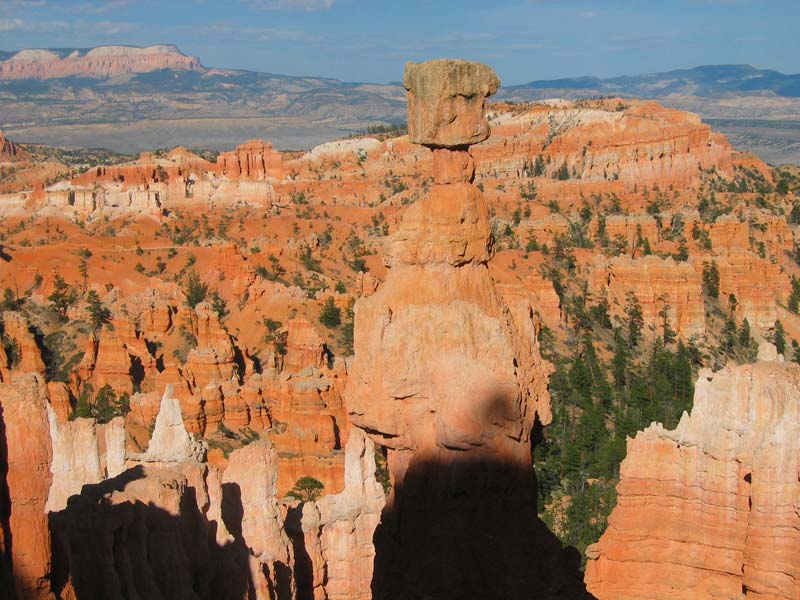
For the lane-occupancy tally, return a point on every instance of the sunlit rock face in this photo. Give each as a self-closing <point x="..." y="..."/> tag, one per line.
<point x="25" y="457"/>
<point x="710" y="509"/>
<point x="447" y="376"/>
<point x="446" y="100"/>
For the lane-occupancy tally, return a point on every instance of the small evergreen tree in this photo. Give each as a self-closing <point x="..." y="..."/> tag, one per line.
<point x="63" y="296"/>
<point x="195" y="290"/>
<point x="218" y="304"/>
<point x="794" y="297"/>
<point x="729" y="334"/>
<point x="711" y="279"/>
<point x="779" y="337"/>
<point x="331" y="315"/>
<point x="307" y="489"/>
<point x="99" y="315"/>
<point x="744" y="334"/>
<point x="10" y="300"/>
<point x="635" y="319"/>
<point x="732" y="303"/>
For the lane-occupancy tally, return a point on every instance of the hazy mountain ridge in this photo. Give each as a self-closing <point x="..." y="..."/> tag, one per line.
<point x="219" y="108"/>
<point x="709" y="80"/>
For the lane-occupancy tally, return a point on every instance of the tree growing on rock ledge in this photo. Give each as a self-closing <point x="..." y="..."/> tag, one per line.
<point x="307" y="489"/>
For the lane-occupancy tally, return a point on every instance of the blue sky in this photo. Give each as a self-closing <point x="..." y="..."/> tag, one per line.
<point x="360" y="40"/>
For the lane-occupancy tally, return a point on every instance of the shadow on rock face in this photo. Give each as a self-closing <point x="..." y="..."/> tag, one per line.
<point x="7" y="588"/>
<point x="469" y="529"/>
<point x="135" y="549"/>
<point x="464" y="524"/>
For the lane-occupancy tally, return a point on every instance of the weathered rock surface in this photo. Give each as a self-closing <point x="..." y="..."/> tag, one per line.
<point x="27" y="453"/>
<point x="9" y="150"/>
<point x="30" y="357"/>
<point x="446" y="100"/>
<point x="212" y="361"/>
<point x="661" y="286"/>
<point x="757" y="284"/>
<point x="710" y="509"/>
<point x="76" y="459"/>
<point x="337" y="531"/>
<point x="447" y="376"/>
<point x="249" y="486"/>
<point x="170" y="441"/>
<point x="151" y="532"/>
<point x="101" y="62"/>
<point x="252" y="160"/>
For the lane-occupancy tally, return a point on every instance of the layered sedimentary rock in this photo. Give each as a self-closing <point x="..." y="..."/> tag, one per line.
<point x="446" y="100"/>
<point x="635" y="142"/>
<point x="151" y="532"/>
<point x="304" y="346"/>
<point x="153" y="184"/>
<point x="100" y="62"/>
<point x="254" y="159"/>
<point x="710" y="509"/>
<point x="731" y="233"/>
<point x="170" y="441"/>
<point x="9" y="150"/>
<point x="76" y="459"/>
<point x="336" y="562"/>
<point x="27" y="453"/>
<point x="661" y="286"/>
<point x="249" y="486"/>
<point x="757" y="284"/>
<point x="29" y="359"/>
<point x="212" y="360"/>
<point x="107" y="362"/>
<point x="447" y="376"/>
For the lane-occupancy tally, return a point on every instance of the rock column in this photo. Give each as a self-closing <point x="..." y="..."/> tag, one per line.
<point x="448" y="379"/>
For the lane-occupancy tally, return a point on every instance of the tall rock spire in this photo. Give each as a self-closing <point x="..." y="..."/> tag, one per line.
<point x="447" y="376"/>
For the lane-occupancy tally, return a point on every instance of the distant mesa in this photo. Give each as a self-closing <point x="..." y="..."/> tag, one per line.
<point x="100" y="62"/>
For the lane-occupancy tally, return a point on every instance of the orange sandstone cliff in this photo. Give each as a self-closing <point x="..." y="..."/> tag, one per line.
<point x="709" y="509"/>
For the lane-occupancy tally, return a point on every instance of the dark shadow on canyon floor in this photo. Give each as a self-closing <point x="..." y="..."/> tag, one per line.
<point x="133" y="549"/>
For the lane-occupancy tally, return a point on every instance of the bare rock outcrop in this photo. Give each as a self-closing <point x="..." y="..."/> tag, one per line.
<point x="213" y="358"/>
<point x="447" y="376"/>
<point x="249" y="486"/>
<point x="154" y="531"/>
<point x="337" y="531"/>
<point x="29" y="358"/>
<point x="26" y="451"/>
<point x="255" y="160"/>
<point x="9" y="150"/>
<point x="170" y="441"/>
<point x="710" y="509"/>
<point x="446" y="101"/>
<point x="76" y="458"/>
<point x="664" y="288"/>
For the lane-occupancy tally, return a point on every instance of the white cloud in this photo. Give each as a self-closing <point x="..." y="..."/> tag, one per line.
<point x="8" y="7"/>
<point x="97" y="8"/>
<point x="11" y="24"/>
<point x="78" y="28"/>
<point x="306" y="5"/>
<point x="463" y="38"/>
<point x="233" y="31"/>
